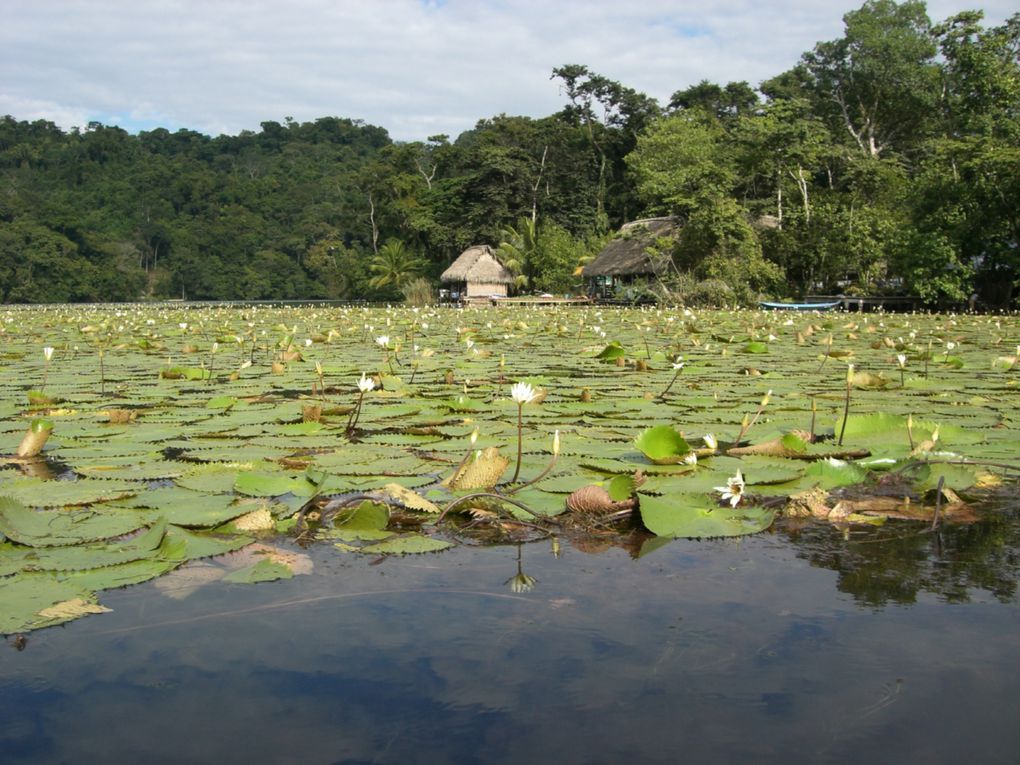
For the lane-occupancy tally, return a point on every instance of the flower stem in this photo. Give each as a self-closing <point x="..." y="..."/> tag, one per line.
<point x="537" y="478"/>
<point x="352" y="421"/>
<point x="846" y="413"/>
<point x="520" y="443"/>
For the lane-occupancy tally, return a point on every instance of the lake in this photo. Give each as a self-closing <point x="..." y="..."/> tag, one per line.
<point x="795" y="645"/>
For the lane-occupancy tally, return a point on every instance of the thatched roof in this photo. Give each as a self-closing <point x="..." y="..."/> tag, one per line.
<point x="478" y="264"/>
<point x="628" y="252"/>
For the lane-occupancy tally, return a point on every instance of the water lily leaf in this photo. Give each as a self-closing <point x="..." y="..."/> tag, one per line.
<point x="190" y="546"/>
<point x="564" y="484"/>
<point x="662" y="445"/>
<point x="273" y="485"/>
<point x="621" y="487"/>
<point x="22" y="598"/>
<point x="36" y="492"/>
<point x="756" y="346"/>
<point x="406" y="544"/>
<point x="832" y="473"/>
<point x="87" y="556"/>
<point x="693" y="516"/>
<point x="185" y="373"/>
<point x="183" y="507"/>
<point x="763" y="471"/>
<point x="221" y="402"/>
<point x="122" y="574"/>
<point x="299" y="428"/>
<point x="541" y="503"/>
<point x="266" y="570"/>
<point x="958" y="477"/>
<point x="130" y="468"/>
<point x="52" y="528"/>
<point x="212" y="478"/>
<point x="612" y="352"/>
<point x="366" y="520"/>
<point x="795" y="442"/>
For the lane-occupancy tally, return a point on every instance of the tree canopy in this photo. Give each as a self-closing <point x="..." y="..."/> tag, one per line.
<point x="885" y="159"/>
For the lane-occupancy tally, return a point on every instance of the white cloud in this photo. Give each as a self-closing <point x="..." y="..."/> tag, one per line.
<point x="414" y="67"/>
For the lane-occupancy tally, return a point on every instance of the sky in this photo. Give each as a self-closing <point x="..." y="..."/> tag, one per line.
<point x="415" y="67"/>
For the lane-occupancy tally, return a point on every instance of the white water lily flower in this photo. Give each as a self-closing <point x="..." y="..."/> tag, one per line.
<point x="522" y="393"/>
<point x="679" y="363"/>
<point x="691" y="458"/>
<point x="733" y="491"/>
<point x="901" y="359"/>
<point x="48" y="352"/>
<point x="710" y="441"/>
<point x="382" y="341"/>
<point x="365" y="384"/>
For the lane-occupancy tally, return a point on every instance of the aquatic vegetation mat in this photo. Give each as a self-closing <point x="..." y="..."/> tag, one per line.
<point x="205" y="444"/>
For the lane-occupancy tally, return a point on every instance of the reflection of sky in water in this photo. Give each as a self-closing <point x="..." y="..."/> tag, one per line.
<point x="701" y="652"/>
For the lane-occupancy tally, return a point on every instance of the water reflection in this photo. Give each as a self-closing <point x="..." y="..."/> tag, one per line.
<point x="756" y="649"/>
<point x="894" y="565"/>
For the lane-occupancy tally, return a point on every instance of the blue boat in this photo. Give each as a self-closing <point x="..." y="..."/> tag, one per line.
<point x="799" y="306"/>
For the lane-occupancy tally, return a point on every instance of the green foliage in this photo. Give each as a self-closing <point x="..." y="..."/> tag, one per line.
<point x="394" y="265"/>
<point x="419" y="292"/>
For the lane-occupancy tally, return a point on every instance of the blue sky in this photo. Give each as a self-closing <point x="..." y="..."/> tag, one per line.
<point x="415" y="67"/>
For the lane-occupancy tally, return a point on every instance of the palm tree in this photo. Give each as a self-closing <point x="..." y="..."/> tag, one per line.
<point x="394" y="265"/>
<point x="517" y="249"/>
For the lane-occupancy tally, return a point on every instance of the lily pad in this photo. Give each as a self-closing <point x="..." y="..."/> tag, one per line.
<point x="406" y="544"/>
<point x="53" y="528"/>
<point x="690" y="517"/>
<point x="662" y="445"/>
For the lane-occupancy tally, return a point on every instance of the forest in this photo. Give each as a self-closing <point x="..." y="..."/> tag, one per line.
<point x="885" y="161"/>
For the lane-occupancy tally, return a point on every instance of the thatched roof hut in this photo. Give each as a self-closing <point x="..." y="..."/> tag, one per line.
<point x="627" y="254"/>
<point x="480" y="271"/>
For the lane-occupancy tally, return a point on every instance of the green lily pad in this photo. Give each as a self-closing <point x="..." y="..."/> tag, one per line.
<point x="52" y="528"/>
<point x="22" y="598"/>
<point x="692" y="516"/>
<point x="36" y="492"/>
<point x="662" y="445"/>
<point x="406" y="544"/>
<point x="264" y="571"/>
<point x="273" y="484"/>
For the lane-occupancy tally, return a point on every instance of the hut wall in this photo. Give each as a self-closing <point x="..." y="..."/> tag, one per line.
<point x="484" y="289"/>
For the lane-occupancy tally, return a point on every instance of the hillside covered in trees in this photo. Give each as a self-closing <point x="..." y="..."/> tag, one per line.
<point x="887" y="159"/>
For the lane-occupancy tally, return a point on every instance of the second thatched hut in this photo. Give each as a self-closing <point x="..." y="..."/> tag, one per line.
<point x="628" y="257"/>
<point x="477" y="274"/>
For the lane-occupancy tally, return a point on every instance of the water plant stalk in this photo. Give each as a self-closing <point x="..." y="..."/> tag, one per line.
<point x="828" y="349"/>
<point x="548" y="468"/>
<point x="678" y="367"/>
<point x="747" y="424"/>
<point x="846" y="403"/>
<point x="520" y="441"/>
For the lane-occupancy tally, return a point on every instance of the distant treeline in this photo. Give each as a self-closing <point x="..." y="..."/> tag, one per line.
<point x="888" y="159"/>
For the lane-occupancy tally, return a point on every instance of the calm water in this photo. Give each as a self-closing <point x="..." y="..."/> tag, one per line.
<point x="795" y="646"/>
